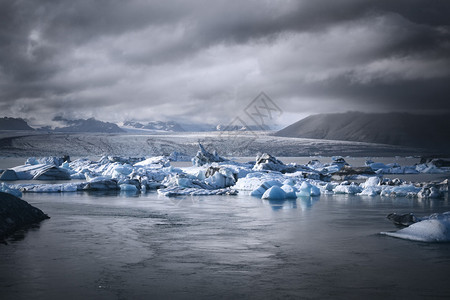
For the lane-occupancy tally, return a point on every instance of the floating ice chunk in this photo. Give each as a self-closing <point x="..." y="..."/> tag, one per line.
<point x="327" y="187"/>
<point x="120" y="171"/>
<point x="101" y="184"/>
<point x="220" y="177"/>
<point x="430" y="168"/>
<point x="41" y="172"/>
<point x="315" y="191"/>
<point x="31" y="161"/>
<point x="184" y="181"/>
<point x="405" y="190"/>
<point x="179" y="191"/>
<point x="50" y="188"/>
<point x="274" y="193"/>
<point x="430" y="192"/>
<point x="239" y="170"/>
<point x="289" y="181"/>
<point x="154" y="162"/>
<point x="7" y="189"/>
<point x="177" y="156"/>
<point x="52" y="173"/>
<point x="128" y="188"/>
<point x="266" y="161"/>
<point x="371" y="181"/>
<point x="307" y="189"/>
<point x="50" y="160"/>
<point x="9" y="175"/>
<point x="204" y="157"/>
<point x="304" y="190"/>
<point x="370" y="191"/>
<point x="254" y="180"/>
<point x="347" y="189"/>
<point x="434" y="229"/>
<point x="290" y="191"/>
<point x="78" y="176"/>
<point x="315" y="164"/>
<point x="258" y="192"/>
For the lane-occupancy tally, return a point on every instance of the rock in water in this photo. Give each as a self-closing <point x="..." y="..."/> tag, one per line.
<point x="402" y="220"/>
<point x="16" y="213"/>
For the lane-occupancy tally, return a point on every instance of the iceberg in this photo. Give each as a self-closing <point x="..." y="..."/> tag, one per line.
<point x="259" y="191"/>
<point x="204" y="157"/>
<point x="49" y="188"/>
<point x="306" y="189"/>
<point x="9" y="175"/>
<point x="51" y="160"/>
<point x="220" y="177"/>
<point x="290" y="191"/>
<point x="178" y="191"/>
<point x="346" y="188"/>
<point x="254" y="180"/>
<point x="154" y="162"/>
<point x="4" y="188"/>
<point x="435" y="228"/>
<point x="274" y="193"/>
<point x="101" y="184"/>
<point x="128" y="188"/>
<point x="41" y="172"/>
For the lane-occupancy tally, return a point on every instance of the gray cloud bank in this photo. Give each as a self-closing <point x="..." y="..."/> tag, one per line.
<point x="205" y="60"/>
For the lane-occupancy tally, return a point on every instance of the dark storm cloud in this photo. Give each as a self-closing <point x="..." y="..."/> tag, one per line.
<point x="174" y="59"/>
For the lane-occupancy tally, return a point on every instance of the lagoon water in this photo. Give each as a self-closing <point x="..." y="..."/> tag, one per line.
<point x="118" y="246"/>
<point x="121" y="246"/>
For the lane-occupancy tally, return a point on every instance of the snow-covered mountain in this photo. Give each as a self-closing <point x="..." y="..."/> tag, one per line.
<point x="154" y="125"/>
<point x="89" y="125"/>
<point x="168" y="126"/>
<point x="231" y="127"/>
<point x="14" y="124"/>
<point x="428" y="131"/>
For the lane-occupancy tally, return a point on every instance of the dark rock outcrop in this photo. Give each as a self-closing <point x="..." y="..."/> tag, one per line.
<point x="403" y="220"/>
<point x="16" y="213"/>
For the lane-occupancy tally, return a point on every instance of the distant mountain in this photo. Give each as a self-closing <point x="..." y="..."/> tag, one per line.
<point x="428" y="131"/>
<point x="155" y="125"/>
<point x="14" y="124"/>
<point x="171" y="126"/>
<point x="89" y="125"/>
<point x="232" y="127"/>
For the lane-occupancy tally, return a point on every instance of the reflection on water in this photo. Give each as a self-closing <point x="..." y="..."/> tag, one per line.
<point x="120" y="246"/>
<point x="304" y="203"/>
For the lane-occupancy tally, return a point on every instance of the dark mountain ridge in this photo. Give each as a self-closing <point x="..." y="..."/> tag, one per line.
<point x="403" y="129"/>
<point x="89" y="125"/>
<point x="14" y="124"/>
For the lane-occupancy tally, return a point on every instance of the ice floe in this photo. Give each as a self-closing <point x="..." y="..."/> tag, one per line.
<point x="266" y="177"/>
<point x="435" y="228"/>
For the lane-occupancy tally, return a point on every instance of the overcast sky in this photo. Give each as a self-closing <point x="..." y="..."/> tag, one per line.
<point x="204" y="61"/>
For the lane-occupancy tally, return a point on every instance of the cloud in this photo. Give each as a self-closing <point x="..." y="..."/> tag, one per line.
<point x="205" y="60"/>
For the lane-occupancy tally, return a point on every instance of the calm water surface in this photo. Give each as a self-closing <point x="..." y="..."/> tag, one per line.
<point x="114" y="246"/>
